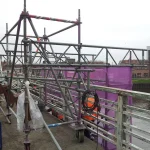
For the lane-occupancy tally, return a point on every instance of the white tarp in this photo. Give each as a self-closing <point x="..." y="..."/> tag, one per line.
<point x="36" y="116"/>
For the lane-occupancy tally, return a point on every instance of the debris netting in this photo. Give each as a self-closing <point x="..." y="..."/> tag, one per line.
<point x="117" y="77"/>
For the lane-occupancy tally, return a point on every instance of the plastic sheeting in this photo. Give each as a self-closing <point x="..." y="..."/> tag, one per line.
<point x="36" y="116"/>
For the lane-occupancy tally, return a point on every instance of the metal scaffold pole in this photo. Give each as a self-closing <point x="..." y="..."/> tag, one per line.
<point x="26" y="103"/>
<point x="7" y="48"/>
<point x="80" y="127"/>
<point x="79" y="61"/>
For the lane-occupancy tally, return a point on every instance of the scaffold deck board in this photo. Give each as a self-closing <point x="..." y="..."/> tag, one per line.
<point x="41" y="140"/>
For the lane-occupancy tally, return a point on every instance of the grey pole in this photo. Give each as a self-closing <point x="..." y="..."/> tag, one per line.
<point x="26" y="103"/>
<point x="79" y="61"/>
<point x="7" y="48"/>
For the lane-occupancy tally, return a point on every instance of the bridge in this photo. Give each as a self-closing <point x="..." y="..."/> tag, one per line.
<point x="33" y="73"/>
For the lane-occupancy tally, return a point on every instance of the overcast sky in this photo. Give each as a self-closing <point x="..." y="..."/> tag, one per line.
<point x="123" y="23"/>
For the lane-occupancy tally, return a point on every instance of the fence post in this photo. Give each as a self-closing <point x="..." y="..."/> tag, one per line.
<point x="120" y="120"/>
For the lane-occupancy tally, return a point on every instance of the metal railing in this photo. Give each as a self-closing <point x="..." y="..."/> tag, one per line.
<point x="126" y="134"/>
<point x="122" y="123"/>
<point x="124" y="129"/>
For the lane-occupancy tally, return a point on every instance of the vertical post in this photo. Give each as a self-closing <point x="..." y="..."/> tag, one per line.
<point x="25" y="5"/>
<point x="30" y="52"/>
<point x="26" y="103"/>
<point x="7" y="48"/>
<point x="25" y="68"/>
<point x="88" y="80"/>
<point x="44" y="31"/>
<point x="40" y="104"/>
<point x="26" y="74"/>
<point x="79" y="61"/>
<point x="65" y="110"/>
<point x="143" y="57"/>
<point x="106" y="96"/>
<point x="148" y="59"/>
<point x="9" y="53"/>
<point x="40" y="92"/>
<point x="106" y="56"/>
<point x="45" y="88"/>
<point x="120" y="120"/>
<point x="130" y="58"/>
<point x="127" y="120"/>
<point x="1" y="73"/>
<point x="92" y="58"/>
<point x="18" y="86"/>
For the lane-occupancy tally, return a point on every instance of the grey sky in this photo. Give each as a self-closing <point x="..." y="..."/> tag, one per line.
<point x="123" y="23"/>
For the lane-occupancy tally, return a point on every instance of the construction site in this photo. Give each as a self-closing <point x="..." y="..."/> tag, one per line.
<point x="67" y="100"/>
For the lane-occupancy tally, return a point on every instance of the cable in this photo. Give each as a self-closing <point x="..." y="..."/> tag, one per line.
<point x="95" y="104"/>
<point x="91" y="108"/>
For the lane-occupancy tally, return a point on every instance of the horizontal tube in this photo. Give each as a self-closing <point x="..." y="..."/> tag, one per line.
<point x="78" y="65"/>
<point x="130" y="145"/>
<point x="65" y="69"/>
<point x="53" y="19"/>
<point x="137" y="94"/>
<point x="138" y="109"/>
<point x="102" y="120"/>
<point x="29" y="36"/>
<point x="59" y="124"/>
<point x="84" y="45"/>
<point x="44" y="79"/>
<point x="104" y="116"/>
<point x="10" y="44"/>
<point x="108" y="101"/>
<point x="137" y="136"/>
<point x="136" y="128"/>
<point x="93" y="126"/>
<point x="108" y="117"/>
<point x="53" y="53"/>
<point x="104" y="137"/>
<point x="100" y="129"/>
<point x="110" y="108"/>
<point x="136" y="116"/>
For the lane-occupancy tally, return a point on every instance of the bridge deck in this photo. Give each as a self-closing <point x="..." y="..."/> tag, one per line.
<point x="41" y="140"/>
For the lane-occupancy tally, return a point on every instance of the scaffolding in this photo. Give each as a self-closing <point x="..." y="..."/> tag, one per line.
<point x="54" y="90"/>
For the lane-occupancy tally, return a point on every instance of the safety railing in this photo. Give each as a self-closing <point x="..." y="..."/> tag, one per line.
<point x="126" y="134"/>
<point x="120" y="129"/>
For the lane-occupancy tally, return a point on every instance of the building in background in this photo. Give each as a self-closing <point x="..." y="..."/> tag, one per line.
<point x="138" y="72"/>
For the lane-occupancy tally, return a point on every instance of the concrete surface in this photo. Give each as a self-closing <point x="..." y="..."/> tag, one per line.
<point x="41" y="140"/>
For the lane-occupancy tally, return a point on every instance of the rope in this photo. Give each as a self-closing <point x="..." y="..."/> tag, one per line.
<point x="95" y="104"/>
